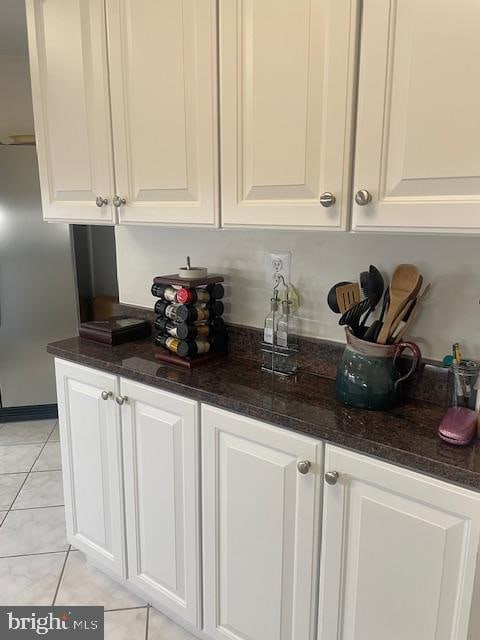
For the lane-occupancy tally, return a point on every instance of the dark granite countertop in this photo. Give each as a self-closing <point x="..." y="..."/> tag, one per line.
<point x="406" y="436"/>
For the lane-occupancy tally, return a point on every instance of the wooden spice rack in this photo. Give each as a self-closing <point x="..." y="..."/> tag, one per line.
<point x="164" y="355"/>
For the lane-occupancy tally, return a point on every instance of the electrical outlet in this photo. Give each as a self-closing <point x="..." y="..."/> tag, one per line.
<point x="278" y="266"/>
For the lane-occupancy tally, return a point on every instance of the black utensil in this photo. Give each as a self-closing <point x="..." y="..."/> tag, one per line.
<point x="352" y="316"/>
<point x="332" y="297"/>
<point x="373" y="331"/>
<point x="372" y="285"/>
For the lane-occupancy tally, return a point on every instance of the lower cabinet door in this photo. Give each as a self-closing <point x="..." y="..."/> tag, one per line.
<point x="399" y="552"/>
<point x="161" y="463"/>
<point x="260" y="529"/>
<point x="92" y="463"/>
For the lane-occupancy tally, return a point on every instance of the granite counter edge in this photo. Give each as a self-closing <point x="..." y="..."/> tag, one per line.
<point x="410" y="460"/>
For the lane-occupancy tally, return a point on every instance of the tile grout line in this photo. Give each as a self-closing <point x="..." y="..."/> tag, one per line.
<point x="126" y="608"/>
<point x="44" y="506"/>
<point x="28" y="473"/>
<point x="19" y="473"/>
<point x="39" y="553"/>
<point x="61" y="575"/>
<point x="147" y="623"/>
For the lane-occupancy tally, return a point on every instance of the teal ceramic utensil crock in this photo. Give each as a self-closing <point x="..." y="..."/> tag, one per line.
<point x="368" y="375"/>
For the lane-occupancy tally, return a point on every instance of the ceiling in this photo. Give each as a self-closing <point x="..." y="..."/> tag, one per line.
<point x="13" y="30"/>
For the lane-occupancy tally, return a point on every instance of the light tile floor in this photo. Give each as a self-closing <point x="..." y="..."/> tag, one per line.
<point x="37" y="565"/>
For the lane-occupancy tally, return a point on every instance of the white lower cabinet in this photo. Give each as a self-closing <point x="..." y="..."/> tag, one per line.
<point x="398" y="549"/>
<point x="399" y="552"/>
<point x="92" y="463"/>
<point x="160" y="439"/>
<point x="260" y="529"/>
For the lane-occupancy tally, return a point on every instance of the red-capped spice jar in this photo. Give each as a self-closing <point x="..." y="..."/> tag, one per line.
<point x="207" y="294"/>
<point x="190" y="296"/>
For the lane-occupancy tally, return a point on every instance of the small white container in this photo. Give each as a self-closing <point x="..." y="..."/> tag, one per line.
<point x="189" y="272"/>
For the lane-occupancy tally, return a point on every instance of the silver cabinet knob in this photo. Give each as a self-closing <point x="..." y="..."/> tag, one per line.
<point x="121" y="399"/>
<point x="101" y="201"/>
<point x="363" y="197"/>
<point x="106" y="395"/>
<point x="331" y="477"/>
<point x="118" y="201"/>
<point x="327" y="199"/>
<point x="304" y="466"/>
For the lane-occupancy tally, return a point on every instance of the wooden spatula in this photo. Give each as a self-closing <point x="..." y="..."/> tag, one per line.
<point x="347" y="296"/>
<point x="403" y="287"/>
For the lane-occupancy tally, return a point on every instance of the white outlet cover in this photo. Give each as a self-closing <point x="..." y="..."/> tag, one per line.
<point x="278" y="264"/>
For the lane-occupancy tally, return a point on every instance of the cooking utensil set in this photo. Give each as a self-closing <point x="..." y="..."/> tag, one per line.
<point x="400" y="303"/>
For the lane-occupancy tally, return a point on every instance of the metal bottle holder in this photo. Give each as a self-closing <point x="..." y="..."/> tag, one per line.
<point x="281" y="361"/>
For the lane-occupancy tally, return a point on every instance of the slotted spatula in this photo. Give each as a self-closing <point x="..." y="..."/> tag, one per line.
<point x="347" y="296"/>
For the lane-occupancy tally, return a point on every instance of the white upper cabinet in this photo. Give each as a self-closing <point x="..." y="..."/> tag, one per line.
<point x="260" y="529"/>
<point x="69" y="70"/>
<point x="135" y="117"/>
<point x="286" y="76"/>
<point x="164" y="108"/>
<point x="418" y="129"/>
<point x="399" y="553"/>
<point x="162" y="74"/>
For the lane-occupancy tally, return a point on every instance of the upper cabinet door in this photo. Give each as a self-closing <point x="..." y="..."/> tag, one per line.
<point x="164" y="109"/>
<point x="285" y="95"/>
<point x="68" y="62"/>
<point x="399" y="553"/>
<point x="418" y="131"/>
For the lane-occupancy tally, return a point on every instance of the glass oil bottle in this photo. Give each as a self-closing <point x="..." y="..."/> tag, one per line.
<point x="279" y="347"/>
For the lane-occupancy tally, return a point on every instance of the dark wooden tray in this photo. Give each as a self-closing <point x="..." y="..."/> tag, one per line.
<point x="188" y="282"/>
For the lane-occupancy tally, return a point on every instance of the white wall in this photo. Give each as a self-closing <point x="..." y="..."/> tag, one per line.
<point x="16" y="115"/>
<point x="319" y="259"/>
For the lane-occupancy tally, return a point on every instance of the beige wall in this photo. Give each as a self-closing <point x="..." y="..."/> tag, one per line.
<point x="319" y="259"/>
<point x="16" y="115"/>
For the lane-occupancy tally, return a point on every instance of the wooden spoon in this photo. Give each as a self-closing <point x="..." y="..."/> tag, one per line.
<point x="407" y="307"/>
<point x="413" y="314"/>
<point x="403" y="287"/>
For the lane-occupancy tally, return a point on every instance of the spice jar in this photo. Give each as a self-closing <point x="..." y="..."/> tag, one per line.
<point x="198" y="313"/>
<point x="207" y="294"/>
<point x="167" y="309"/>
<point x="184" y="348"/>
<point x="164" y="291"/>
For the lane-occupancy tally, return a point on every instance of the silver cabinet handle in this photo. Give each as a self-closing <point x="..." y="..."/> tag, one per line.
<point x="327" y="199"/>
<point x="101" y="201"/>
<point x="331" y="477"/>
<point x="121" y="399"/>
<point x="106" y="395"/>
<point x="303" y="466"/>
<point x="118" y="201"/>
<point x="363" y="197"/>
